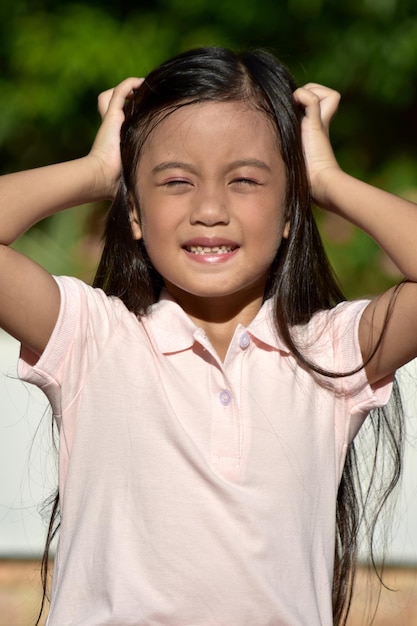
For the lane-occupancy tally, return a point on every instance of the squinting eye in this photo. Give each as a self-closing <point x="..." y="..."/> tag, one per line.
<point x="176" y="186"/>
<point x="246" y="181"/>
<point x="175" y="183"/>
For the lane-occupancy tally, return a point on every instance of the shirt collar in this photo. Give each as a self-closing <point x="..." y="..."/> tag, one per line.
<point x="174" y="331"/>
<point x="263" y="327"/>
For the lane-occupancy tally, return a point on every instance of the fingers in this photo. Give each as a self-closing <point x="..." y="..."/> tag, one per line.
<point x="115" y="98"/>
<point x="103" y="101"/>
<point x="320" y="103"/>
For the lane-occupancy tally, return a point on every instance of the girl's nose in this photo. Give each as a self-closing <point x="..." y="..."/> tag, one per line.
<point x="210" y="208"/>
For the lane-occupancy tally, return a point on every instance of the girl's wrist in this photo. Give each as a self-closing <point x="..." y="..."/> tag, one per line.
<point x="103" y="184"/>
<point x="325" y="186"/>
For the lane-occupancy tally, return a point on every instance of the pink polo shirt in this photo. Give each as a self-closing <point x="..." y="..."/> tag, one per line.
<point x="195" y="492"/>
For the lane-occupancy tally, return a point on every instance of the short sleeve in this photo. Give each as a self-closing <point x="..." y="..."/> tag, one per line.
<point x="362" y="397"/>
<point x="86" y="321"/>
<point x="335" y="334"/>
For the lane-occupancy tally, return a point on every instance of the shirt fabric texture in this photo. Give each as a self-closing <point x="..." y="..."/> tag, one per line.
<point x="196" y="492"/>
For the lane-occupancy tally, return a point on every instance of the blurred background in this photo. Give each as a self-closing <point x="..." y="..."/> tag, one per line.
<point x="56" y="56"/>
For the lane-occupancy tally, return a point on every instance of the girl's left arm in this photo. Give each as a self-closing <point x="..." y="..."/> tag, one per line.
<point x="391" y="221"/>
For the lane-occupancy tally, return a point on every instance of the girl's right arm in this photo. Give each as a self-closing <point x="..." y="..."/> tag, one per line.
<point x="29" y="296"/>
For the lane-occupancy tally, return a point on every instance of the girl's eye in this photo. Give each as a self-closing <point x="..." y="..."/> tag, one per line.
<point x="245" y="182"/>
<point x="175" y="183"/>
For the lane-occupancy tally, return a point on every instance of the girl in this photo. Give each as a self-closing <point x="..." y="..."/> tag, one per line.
<point x="208" y="388"/>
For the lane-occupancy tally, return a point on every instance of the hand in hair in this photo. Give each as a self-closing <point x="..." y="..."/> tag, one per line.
<point x="106" y="147"/>
<point x="320" y="105"/>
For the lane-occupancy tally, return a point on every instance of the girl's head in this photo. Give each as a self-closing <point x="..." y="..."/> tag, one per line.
<point x="259" y="82"/>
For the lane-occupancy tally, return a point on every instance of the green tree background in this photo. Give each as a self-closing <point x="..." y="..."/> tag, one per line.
<point x="56" y="56"/>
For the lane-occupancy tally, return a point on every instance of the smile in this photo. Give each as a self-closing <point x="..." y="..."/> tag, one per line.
<point x="209" y="250"/>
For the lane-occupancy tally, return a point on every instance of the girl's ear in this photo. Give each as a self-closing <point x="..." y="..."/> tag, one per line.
<point x="286" y="230"/>
<point x="135" y="225"/>
<point x="134" y="219"/>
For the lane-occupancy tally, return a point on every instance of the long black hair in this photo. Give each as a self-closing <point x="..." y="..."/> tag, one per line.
<point x="300" y="281"/>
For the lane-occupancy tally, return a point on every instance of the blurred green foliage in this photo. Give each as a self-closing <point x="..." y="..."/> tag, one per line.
<point x="56" y="56"/>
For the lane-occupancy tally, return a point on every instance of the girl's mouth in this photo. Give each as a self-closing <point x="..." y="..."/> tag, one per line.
<point x="210" y="250"/>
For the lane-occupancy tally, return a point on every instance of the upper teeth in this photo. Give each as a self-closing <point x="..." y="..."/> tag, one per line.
<point x="207" y="250"/>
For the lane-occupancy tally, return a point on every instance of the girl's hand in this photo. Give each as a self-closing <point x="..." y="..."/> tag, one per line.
<point x="320" y="104"/>
<point x="106" y="147"/>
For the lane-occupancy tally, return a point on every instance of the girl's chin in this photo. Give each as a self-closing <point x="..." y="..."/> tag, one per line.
<point x="217" y="293"/>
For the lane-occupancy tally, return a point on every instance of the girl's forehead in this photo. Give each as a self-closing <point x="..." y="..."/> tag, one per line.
<point x="230" y="122"/>
<point x="245" y="110"/>
<point x="212" y="139"/>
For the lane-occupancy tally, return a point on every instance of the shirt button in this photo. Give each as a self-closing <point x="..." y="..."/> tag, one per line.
<point x="244" y="340"/>
<point x="225" y="397"/>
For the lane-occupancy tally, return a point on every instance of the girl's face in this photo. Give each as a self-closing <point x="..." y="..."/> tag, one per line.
<point x="211" y="186"/>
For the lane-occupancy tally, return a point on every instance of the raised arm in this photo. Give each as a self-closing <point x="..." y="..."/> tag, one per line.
<point x="391" y="221"/>
<point x="29" y="297"/>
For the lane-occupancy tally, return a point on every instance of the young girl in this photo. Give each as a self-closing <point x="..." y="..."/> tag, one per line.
<point x="208" y="389"/>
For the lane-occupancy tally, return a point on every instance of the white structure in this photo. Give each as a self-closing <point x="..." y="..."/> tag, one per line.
<point x="28" y="472"/>
<point x="27" y="460"/>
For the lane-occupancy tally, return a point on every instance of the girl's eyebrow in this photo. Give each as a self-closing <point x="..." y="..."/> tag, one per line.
<point x="248" y="163"/>
<point x="167" y="165"/>
<point x="170" y="165"/>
